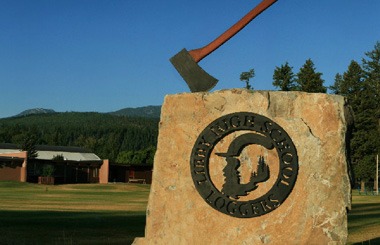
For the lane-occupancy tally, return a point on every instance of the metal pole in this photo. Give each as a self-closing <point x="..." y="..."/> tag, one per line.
<point x="377" y="175"/>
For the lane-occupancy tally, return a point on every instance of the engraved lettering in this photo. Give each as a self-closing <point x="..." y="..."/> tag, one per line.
<point x="281" y="144"/>
<point x="287" y="158"/>
<point x="245" y="209"/>
<point x="200" y="177"/>
<point x="275" y="202"/>
<point x="268" y="126"/>
<point x="205" y="142"/>
<point x="198" y="162"/>
<point x="256" y="209"/>
<point x="235" y="121"/>
<point x="210" y="198"/>
<point x="265" y="206"/>
<point x="284" y="182"/>
<point x="231" y="207"/>
<point x="276" y="135"/>
<point x="220" y="127"/>
<point x="219" y="202"/>
<point x="287" y="172"/>
<point x="285" y="175"/>
<point x="200" y="152"/>
<point x="249" y="121"/>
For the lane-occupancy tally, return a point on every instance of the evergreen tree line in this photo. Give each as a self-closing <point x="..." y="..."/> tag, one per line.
<point x="360" y="84"/>
<point x="108" y="136"/>
<point x="307" y="79"/>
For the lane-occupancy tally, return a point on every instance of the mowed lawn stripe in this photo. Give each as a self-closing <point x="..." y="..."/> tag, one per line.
<point x="72" y="214"/>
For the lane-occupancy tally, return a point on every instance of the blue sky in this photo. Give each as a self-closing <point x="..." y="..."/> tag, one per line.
<point x="105" y="55"/>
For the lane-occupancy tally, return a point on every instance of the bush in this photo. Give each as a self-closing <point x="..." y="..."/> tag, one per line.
<point x="47" y="170"/>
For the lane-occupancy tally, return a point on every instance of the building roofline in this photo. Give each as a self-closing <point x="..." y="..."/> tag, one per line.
<point x="9" y="146"/>
<point x="62" y="148"/>
<point x="47" y="148"/>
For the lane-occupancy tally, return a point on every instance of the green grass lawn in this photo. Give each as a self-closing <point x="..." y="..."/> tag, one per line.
<point x="364" y="219"/>
<point x="114" y="214"/>
<point x="72" y="214"/>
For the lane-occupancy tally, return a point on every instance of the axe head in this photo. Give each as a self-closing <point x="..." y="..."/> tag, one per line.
<point x="196" y="78"/>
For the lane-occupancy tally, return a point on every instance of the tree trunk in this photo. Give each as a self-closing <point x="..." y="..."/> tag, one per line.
<point x="362" y="186"/>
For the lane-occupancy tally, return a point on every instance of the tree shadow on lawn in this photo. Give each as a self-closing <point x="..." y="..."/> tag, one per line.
<point x="53" y="227"/>
<point x="372" y="241"/>
<point x="363" y="216"/>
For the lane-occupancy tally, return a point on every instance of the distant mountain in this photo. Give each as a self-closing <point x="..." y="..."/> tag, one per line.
<point x="146" y="111"/>
<point x="35" y="111"/>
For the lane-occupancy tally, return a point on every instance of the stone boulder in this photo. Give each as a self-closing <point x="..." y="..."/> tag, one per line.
<point x="312" y="211"/>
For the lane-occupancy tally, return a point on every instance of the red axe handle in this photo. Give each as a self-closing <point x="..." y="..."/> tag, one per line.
<point x="199" y="54"/>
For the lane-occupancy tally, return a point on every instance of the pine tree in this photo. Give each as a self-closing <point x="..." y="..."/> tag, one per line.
<point x="360" y="85"/>
<point x="29" y="145"/>
<point x="367" y="117"/>
<point x="246" y="76"/>
<point x="336" y="87"/>
<point x="309" y="80"/>
<point x="284" y="78"/>
<point x="371" y="67"/>
<point x="350" y="84"/>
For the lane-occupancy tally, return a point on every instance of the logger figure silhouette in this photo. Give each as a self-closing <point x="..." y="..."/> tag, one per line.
<point x="232" y="186"/>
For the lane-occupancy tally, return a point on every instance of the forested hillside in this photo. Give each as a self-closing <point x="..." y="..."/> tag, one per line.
<point x="146" y="111"/>
<point x="108" y="136"/>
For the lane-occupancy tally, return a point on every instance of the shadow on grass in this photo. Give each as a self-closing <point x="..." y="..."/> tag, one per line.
<point x="369" y="242"/>
<point x="51" y="227"/>
<point x="364" y="213"/>
<point x="363" y="216"/>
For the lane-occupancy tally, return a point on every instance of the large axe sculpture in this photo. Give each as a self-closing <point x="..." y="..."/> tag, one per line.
<point x="186" y="62"/>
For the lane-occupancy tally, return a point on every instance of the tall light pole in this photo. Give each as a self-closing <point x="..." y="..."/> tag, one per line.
<point x="377" y="175"/>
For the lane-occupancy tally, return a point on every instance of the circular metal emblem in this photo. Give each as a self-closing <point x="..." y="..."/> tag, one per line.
<point x="272" y="160"/>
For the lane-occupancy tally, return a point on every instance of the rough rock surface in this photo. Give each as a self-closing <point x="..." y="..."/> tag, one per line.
<point x="315" y="212"/>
